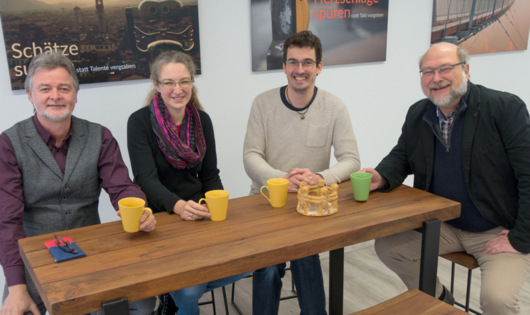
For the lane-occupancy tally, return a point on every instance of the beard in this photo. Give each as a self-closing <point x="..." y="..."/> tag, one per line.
<point x="66" y="114"/>
<point x="454" y="95"/>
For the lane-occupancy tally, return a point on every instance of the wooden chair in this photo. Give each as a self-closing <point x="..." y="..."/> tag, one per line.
<point x="412" y="301"/>
<point x="468" y="261"/>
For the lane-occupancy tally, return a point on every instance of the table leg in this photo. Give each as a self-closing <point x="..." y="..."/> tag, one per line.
<point x="429" y="256"/>
<point x="336" y="281"/>
<point x="116" y="307"/>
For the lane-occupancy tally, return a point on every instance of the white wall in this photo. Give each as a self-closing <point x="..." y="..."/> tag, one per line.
<point x="377" y="94"/>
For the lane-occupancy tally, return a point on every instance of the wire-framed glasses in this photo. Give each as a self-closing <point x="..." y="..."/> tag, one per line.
<point x="306" y="63"/>
<point x="428" y="73"/>
<point x="64" y="245"/>
<point x="169" y="84"/>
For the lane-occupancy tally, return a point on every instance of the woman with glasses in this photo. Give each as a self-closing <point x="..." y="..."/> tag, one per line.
<point x="172" y="151"/>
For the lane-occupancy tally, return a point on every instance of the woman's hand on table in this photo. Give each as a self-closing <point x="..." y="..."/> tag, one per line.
<point x="190" y="210"/>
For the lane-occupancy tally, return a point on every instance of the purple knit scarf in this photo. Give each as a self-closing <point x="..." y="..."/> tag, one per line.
<point x="184" y="150"/>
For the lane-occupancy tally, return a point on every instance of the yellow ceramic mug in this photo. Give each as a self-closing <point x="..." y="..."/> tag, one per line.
<point x="217" y="201"/>
<point x="277" y="188"/>
<point x="131" y="210"/>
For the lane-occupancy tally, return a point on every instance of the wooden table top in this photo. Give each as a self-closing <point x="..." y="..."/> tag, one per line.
<point x="179" y="254"/>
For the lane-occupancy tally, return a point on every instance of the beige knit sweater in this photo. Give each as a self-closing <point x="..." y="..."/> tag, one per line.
<point x="277" y="140"/>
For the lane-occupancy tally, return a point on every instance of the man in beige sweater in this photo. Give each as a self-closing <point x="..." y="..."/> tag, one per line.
<point x="290" y="133"/>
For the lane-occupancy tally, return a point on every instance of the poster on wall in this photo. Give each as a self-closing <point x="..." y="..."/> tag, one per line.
<point x="482" y="26"/>
<point x="351" y="31"/>
<point x="107" y="40"/>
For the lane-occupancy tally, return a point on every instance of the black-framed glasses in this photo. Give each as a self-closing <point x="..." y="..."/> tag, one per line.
<point x="306" y="63"/>
<point x="64" y="244"/>
<point x="428" y="73"/>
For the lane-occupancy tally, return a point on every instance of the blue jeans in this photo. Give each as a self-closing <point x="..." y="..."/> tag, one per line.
<point x="187" y="300"/>
<point x="307" y="273"/>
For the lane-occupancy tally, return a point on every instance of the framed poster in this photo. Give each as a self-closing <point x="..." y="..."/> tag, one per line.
<point x="482" y="26"/>
<point x="107" y="40"/>
<point x="351" y="31"/>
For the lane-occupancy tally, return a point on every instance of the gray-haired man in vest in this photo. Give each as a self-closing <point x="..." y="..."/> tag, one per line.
<point x="52" y="168"/>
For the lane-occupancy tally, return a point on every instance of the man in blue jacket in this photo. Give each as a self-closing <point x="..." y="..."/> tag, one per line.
<point x="471" y="144"/>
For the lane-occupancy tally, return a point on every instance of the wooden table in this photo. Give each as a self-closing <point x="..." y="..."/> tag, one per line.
<point x="180" y="254"/>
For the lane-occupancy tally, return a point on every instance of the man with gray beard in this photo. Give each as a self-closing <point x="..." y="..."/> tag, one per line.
<point x="471" y="144"/>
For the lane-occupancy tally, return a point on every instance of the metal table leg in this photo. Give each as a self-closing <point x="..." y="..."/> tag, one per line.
<point x="429" y="256"/>
<point x="336" y="281"/>
<point x="116" y="307"/>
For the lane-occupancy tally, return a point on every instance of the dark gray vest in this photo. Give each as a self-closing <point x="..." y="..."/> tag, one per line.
<point x="54" y="201"/>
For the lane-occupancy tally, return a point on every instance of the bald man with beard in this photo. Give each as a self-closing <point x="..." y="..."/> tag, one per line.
<point x="470" y="144"/>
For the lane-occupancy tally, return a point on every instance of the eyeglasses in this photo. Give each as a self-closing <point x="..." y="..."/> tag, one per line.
<point x="428" y="73"/>
<point x="65" y="245"/>
<point x="169" y="85"/>
<point x="306" y="63"/>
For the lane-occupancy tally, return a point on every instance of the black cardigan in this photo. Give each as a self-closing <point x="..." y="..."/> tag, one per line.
<point x="163" y="184"/>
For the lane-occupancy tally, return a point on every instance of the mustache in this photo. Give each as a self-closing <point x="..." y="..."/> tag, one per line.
<point x="56" y="104"/>
<point x="441" y="85"/>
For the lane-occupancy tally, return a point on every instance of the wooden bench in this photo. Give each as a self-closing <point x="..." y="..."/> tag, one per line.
<point x="412" y="302"/>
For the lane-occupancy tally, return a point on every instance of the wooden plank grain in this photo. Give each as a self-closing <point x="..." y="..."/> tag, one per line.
<point x="276" y="247"/>
<point x="155" y="246"/>
<point x="180" y="253"/>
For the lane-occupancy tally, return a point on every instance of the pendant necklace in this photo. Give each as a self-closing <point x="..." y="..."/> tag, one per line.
<point x="301" y="113"/>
